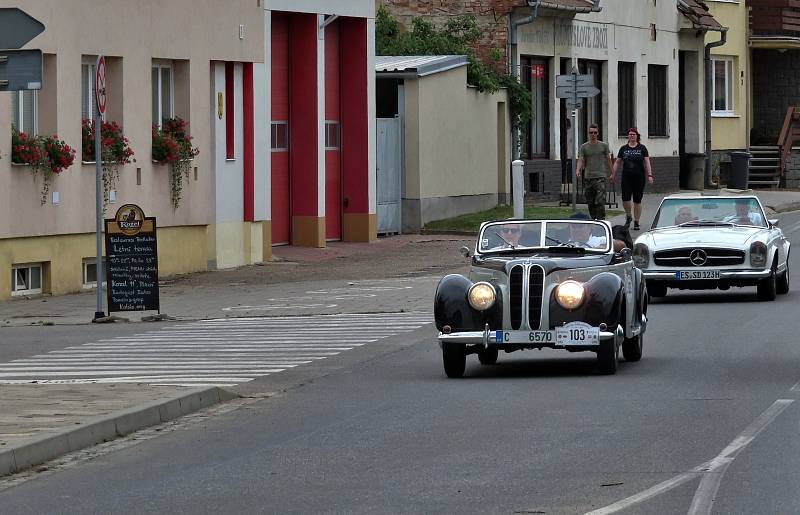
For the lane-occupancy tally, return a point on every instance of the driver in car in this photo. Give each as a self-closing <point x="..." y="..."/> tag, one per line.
<point x="684" y="215"/>
<point x="509" y="233"/>
<point x="746" y="213"/>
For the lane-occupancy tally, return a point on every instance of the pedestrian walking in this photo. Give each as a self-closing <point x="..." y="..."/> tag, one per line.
<point x="636" y="172"/>
<point x="594" y="163"/>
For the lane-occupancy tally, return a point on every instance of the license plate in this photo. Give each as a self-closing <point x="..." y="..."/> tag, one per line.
<point x="693" y="275"/>
<point x="577" y="333"/>
<point x="534" y="337"/>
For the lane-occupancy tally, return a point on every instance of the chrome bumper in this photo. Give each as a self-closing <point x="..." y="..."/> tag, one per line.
<point x="488" y="337"/>
<point x="669" y="275"/>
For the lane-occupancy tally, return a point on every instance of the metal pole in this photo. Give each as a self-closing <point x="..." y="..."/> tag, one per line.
<point x="519" y="188"/>
<point x="574" y="138"/>
<point x="98" y="196"/>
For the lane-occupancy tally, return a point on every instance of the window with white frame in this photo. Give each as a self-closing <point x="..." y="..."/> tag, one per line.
<point x="723" y="85"/>
<point x="280" y="136"/>
<point x="332" y="135"/>
<point x="163" y="89"/>
<point x="26" y="279"/>
<point x="88" y="100"/>
<point x="90" y="272"/>
<point x="24" y="107"/>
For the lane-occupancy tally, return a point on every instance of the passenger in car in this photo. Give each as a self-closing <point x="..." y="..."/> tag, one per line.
<point x="582" y="235"/>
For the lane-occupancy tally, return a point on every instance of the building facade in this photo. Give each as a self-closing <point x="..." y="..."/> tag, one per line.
<point x="281" y="115"/>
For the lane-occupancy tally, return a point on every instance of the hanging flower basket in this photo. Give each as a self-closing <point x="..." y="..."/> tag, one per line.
<point x="46" y="155"/>
<point x="172" y="145"/>
<point x="116" y="151"/>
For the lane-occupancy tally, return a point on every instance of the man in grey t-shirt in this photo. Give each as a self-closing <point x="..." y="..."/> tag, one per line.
<point x="594" y="162"/>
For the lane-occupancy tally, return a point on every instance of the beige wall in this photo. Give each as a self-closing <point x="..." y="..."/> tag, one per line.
<point x="451" y="138"/>
<point x="133" y="34"/>
<point x="732" y="132"/>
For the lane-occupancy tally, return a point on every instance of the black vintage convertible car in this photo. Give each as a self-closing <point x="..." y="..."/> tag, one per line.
<point x="536" y="284"/>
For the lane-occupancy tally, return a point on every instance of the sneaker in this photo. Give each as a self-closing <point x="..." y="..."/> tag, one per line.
<point x="628" y="220"/>
<point x="636" y="225"/>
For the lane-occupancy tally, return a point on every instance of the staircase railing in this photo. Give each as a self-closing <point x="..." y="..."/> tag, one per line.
<point x="789" y="133"/>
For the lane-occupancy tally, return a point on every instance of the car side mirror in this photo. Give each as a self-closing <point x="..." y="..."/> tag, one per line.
<point x="774" y="222"/>
<point x="464" y="251"/>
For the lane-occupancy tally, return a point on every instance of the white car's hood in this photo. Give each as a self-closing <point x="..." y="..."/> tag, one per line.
<point x="734" y="237"/>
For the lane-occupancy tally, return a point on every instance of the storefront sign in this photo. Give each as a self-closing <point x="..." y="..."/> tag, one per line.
<point x="537" y="71"/>
<point x="131" y="252"/>
<point x="569" y="34"/>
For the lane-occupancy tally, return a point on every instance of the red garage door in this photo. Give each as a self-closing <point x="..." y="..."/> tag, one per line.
<point x="333" y="172"/>
<point x="281" y="214"/>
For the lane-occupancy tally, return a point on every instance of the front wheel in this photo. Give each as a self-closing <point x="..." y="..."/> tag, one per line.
<point x="656" y="289"/>
<point x="632" y="348"/>
<point x="607" y="357"/>
<point x="488" y="356"/>
<point x="767" y="288"/>
<point x="783" y="281"/>
<point x="454" y="358"/>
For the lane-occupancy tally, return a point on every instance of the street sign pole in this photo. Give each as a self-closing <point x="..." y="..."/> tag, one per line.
<point x="575" y="142"/>
<point x="99" y="89"/>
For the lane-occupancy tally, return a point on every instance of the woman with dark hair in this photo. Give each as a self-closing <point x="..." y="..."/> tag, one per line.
<point x="636" y="172"/>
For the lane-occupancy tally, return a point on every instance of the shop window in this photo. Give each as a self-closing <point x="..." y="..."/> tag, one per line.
<point x="722" y="85"/>
<point x="626" y="88"/>
<point x="26" y="279"/>
<point x="90" y="272"/>
<point x="163" y="92"/>
<point x="332" y="135"/>
<point x="657" y="100"/>
<point x="280" y="136"/>
<point x="24" y="107"/>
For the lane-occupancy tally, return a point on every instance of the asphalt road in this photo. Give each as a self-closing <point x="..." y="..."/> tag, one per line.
<point x="707" y="422"/>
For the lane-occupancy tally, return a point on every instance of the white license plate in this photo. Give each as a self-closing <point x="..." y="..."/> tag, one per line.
<point x="693" y="275"/>
<point x="577" y="333"/>
<point x="525" y="337"/>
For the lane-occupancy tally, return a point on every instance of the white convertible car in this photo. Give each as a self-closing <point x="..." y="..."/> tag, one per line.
<point x="709" y="242"/>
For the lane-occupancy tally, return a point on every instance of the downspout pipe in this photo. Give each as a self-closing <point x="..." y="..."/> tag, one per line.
<point x="534" y="11"/>
<point x="710" y="101"/>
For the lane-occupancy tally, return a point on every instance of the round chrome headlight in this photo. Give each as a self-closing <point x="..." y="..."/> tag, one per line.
<point x="758" y="254"/>
<point x="641" y="255"/>
<point x="482" y="296"/>
<point x="570" y="294"/>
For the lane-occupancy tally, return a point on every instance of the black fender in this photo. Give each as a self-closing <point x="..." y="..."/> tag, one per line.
<point x="605" y="294"/>
<point x="451" y="306"/>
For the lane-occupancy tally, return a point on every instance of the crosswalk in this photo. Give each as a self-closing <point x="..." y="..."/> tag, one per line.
<point x="219" y="352"/>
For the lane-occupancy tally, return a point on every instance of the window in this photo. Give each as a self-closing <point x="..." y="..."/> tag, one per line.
<point x="162" y="93"/>
<point x="332" y="135"/>
<point x="26" y="279"/>
<point x="534" y="76"/>
<point x="280" y="136"/>
<point x="722" y="85"/>
<point x="657" y="100"/>
<point x="24" y="107"/>
<point x="90" y="272"/>
<point x="88" y="100"/>
<point x="626" y="90"/>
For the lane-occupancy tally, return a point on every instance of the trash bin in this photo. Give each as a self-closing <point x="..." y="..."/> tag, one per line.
<point x="696" y="172"/>
<point x="740" y="169"/>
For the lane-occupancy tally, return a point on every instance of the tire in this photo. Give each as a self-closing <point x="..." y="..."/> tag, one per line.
<point x="767" y="288"/>
<point x="607" y="357"/>
<point x="454" y="358"/>
<point x="488" y="356"/>
<point x="783" y="281"/>
<point x="632" y="348"/>
<point x="656" y="289"/>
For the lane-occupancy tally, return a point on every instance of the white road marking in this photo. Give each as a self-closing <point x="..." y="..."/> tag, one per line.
<point x="221" y="352"/>
<point x="795" y="388"/>
<point x="711" y="471"/>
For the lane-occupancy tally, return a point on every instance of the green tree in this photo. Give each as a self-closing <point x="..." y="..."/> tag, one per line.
<point x="457" y="37"/>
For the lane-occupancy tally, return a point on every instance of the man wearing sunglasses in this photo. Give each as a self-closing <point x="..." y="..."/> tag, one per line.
<point x="509" y="234"/>
<point x="594" y="163"/>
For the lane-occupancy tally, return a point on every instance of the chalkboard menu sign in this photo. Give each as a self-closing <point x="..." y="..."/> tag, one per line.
<point x="132" y="259"/>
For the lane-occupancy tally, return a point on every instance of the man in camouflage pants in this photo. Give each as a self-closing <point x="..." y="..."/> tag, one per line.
<point x="594" y="163"/>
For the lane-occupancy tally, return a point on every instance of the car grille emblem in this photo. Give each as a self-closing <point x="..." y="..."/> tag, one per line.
<point x="698" y="257"/>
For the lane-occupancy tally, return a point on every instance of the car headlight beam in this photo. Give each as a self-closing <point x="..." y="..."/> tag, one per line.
<point x="758" y="254"/>
<point x="570" y="294"/>
<point x="482" y="296"/>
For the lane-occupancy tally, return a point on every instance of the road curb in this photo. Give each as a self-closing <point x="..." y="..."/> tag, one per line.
<point x="108" y="427"/>
<point x="789" y="206"/>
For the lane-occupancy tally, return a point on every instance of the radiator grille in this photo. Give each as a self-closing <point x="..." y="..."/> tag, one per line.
<point x="515" y="291"/>
<point x="714" y="257"/>
<point x="535" y="289"/>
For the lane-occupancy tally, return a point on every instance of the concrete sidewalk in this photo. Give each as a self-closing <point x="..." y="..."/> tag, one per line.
<point x="41" y="422"/>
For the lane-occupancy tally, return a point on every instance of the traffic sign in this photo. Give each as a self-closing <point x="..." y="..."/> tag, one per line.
<point x="20" y="70"/>
<point x="100" y="84"/>
<point x="571" y="105"/>
<point x="580" y="91"/>
<point x="17" y="27"/>
<point x="575" y="79"/>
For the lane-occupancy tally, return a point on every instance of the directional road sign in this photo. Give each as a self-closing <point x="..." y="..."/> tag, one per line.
<point x="574" y="80"/>
<point x="580" y="91"/>
<point x="17" y="27"/>
<point x="20" y="70"/>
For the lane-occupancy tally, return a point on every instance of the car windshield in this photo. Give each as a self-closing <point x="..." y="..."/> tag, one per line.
<point x="709" y="212"/>
<point x="514" y="235"/>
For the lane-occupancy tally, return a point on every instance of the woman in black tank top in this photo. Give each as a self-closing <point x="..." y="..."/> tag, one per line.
<point x="636" y="172"/>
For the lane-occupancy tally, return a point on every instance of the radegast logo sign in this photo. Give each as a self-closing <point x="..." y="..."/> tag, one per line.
<point x="129" y="218"/>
